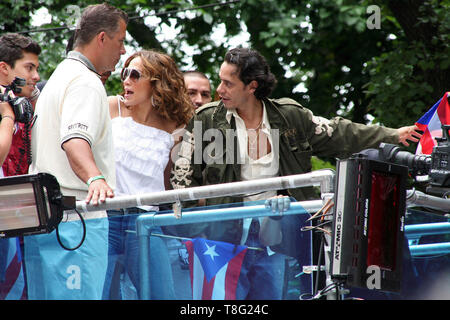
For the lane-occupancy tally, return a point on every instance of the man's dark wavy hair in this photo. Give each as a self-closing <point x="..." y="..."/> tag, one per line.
<point x="251" y="65"/>
<point x="13" y="46"/>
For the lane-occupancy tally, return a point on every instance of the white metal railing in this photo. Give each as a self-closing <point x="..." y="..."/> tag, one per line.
<point x="323" y="178"/>
<point x="417" y="198"/>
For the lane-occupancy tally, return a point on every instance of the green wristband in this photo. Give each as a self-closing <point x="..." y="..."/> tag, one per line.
<point x="92" y="179"/>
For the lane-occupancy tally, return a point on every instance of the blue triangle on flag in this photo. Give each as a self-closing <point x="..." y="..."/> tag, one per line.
<point x="213" y="255"/>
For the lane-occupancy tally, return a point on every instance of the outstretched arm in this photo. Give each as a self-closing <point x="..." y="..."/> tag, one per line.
<point x="409" y="133"/>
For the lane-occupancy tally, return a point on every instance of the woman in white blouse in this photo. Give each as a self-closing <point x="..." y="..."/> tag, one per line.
<point x="153" y="105"/>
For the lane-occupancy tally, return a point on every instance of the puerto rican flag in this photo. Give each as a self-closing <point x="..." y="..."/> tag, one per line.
<point x="12" y="280"/>
<point x="430" y="124"/>
<point x="214" y="268"/>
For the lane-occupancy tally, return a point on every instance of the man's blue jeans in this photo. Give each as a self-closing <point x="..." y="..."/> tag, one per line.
<point x="123" y="257"/>
<point x="262" y="276"/>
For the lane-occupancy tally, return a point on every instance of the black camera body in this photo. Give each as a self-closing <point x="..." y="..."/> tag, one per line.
<point x="23" y="111"/>
<point x="436" y="165"/>
<point x="440" y="161"/>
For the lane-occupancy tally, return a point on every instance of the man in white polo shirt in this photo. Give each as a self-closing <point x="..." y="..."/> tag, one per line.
<point x="71" y="138"/>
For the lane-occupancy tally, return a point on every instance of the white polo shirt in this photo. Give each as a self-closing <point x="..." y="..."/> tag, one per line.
<point x="73" y="104"/>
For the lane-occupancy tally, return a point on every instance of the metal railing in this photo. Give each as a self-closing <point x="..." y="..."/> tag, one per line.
<point x="323" y="178"/>
<point x="146" y="222"/>
<point x="415" y="232"/>
<point x="417" y="198"/>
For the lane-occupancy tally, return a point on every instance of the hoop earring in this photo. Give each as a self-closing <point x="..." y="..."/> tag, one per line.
<point x="152" y="102"/>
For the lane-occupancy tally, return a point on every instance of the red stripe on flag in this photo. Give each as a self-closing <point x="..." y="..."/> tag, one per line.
<point x="24" y="293"/>
<point x="190" y="248"/>
<point x="208" y="288"/>
<point x="427" y="142"/>
<point x="443" y="110"/>
<point x="232" y="276"/>
<point x="11" y="275"/>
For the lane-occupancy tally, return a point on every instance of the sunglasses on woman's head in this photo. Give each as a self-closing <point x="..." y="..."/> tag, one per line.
<point x="130" y="72"/>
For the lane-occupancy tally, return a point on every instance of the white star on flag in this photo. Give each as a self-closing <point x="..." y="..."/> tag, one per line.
<point x="214" y="268"/>
<point x="211" y="251"/>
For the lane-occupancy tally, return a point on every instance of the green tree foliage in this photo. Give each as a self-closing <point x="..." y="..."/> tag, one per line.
<point x="407" y="80"/>
<point x="335" y="57"/>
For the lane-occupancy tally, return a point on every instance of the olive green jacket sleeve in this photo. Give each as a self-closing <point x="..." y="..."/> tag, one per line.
<point x="339" y="137"/>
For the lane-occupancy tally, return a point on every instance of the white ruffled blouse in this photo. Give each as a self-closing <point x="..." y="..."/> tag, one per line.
<point x="141" y="155"/>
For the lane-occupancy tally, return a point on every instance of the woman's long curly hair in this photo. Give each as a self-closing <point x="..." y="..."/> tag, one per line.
<point x="169" y="95"/>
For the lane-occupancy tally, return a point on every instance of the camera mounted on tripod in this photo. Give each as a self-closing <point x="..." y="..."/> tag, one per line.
<point x="23" y="111"/>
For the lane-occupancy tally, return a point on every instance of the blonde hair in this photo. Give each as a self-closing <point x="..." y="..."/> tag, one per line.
<point x="169" y="94"/>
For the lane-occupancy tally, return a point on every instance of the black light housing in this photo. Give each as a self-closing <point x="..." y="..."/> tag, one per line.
<point x="368" y="223"/>
<point x="31" y="204"/>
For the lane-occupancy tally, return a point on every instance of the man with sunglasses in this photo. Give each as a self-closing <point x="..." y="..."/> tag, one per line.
<point x="72" y="135"/>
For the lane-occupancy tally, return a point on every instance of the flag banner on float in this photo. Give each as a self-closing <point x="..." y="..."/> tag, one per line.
<point x="12" y="280"/>
<point x="214" y="268"/>
<point x="430" y="123"/>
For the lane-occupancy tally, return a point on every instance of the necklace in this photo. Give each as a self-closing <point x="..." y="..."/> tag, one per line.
<point x="259" y="125"/>
<point x="253" y="140"/>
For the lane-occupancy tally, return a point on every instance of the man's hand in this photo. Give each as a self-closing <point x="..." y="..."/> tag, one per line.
<point x="82" y="162"/>
<point x="270" y="231"/>
<point x="5" y="108"/>
<point x="408" y="133"/>
<point x="98" y="191"/>
<point x="278" y="204"/>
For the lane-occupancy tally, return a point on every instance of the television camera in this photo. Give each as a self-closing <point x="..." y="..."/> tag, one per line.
<point x="23" y="111"/>
<point x="369" y="212"/>
<point x="436" y="165"/>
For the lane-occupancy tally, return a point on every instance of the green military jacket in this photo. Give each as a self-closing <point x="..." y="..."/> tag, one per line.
<point x="301" y="135"/>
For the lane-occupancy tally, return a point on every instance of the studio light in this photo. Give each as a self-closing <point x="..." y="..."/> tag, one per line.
<point x="368" y="223"/>
<point x="31" y="204"/>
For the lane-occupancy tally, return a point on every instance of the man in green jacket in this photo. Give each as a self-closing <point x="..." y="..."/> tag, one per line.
<point x="247" y="136"/>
